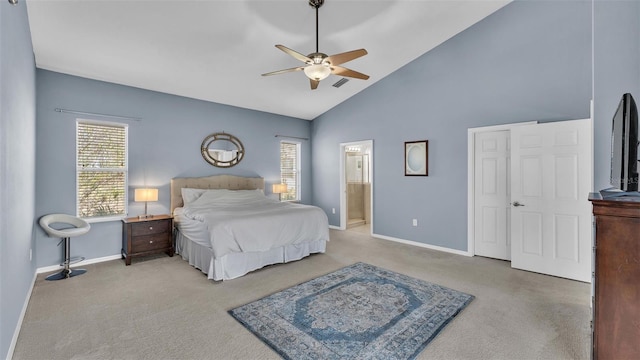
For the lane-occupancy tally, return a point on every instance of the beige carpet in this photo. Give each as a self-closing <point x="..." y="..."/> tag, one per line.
<point x="161" y="308"/>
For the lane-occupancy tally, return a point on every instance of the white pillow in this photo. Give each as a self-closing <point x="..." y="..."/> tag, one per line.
<point x="228" y="197"/>
<point x="210" y="196"/>
<point x="190" y="195"/>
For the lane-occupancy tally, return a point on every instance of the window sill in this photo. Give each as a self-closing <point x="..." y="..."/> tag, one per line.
<point x="104" y="219"/>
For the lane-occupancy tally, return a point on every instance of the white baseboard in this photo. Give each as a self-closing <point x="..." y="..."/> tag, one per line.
<point x="81" y="263"/>
<point x="423" y="245"/>
<point x="334" y="227"/>
<point x="14" y="340"/>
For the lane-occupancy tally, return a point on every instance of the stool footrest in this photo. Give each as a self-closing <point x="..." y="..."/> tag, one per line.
<point x="74" y="260"/>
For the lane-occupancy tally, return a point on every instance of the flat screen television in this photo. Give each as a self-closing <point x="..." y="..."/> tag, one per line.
<point x="624" y="146"/>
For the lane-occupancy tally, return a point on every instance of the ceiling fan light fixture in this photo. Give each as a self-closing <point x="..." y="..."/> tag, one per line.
<point x="317" y="72"/>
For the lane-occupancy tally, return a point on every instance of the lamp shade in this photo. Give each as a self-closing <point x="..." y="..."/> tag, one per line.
<point x="146" y="194"/>
<point x="279" y="188"/>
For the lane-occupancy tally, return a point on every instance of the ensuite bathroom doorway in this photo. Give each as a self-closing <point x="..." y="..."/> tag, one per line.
<point x="356" y="186"/>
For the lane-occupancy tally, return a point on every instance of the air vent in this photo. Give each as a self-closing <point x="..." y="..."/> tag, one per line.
<point x="340" y="82"/>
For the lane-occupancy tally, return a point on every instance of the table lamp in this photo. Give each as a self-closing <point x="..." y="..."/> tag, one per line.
<point x="279" y="189"/>
<point x="145" y="194"/>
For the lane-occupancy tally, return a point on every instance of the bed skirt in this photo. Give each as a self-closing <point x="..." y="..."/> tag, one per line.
<point x="235" y="265"/>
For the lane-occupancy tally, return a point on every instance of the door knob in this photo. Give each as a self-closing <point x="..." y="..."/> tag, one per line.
<point x="516" y="204"/>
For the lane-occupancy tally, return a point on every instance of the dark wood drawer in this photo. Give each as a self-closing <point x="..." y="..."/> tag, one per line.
<point x="142" y="237"/>
<point x="616" y="314"/>
<point x="150" y="227"/>
<point x="150" y="242"/>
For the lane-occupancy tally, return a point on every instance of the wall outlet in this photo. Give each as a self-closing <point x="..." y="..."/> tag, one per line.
<point x="415" y="222"/>
<point x="333" y="210"/>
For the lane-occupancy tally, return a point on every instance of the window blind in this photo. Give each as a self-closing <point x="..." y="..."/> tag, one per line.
<point x="101" y="169"/>
<point x="289" y="173"/>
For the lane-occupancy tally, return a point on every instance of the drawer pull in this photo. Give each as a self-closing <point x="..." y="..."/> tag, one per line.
<point x="150" y="241"/>
<point x="150" y="227"/>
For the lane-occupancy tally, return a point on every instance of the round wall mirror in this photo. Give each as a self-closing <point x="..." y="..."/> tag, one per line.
<point x="222" y="150"/>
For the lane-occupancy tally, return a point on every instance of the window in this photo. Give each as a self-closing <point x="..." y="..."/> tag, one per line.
<point x="290" y="170"/>
<point x="101" y="169"/>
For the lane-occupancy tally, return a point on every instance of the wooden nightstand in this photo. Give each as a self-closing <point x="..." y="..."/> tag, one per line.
<point x="141" y="237"/>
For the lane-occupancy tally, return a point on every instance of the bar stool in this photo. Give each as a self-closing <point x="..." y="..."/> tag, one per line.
<point x="78" y="227"/>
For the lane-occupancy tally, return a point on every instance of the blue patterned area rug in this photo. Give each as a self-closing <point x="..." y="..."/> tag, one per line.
<point x="360" y="311"/>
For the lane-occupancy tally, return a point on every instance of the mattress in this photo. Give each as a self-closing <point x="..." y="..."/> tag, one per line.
<point x="247" y="221"/>
<point x="227" y="234"/>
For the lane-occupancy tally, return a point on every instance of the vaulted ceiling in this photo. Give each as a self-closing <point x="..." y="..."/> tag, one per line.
<point x="217" y="50"/>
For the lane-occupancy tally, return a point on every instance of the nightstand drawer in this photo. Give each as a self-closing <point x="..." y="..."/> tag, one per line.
<point x="142" y="237"/>
<point x="150" y="227"/>
<point x="150" y="242"/>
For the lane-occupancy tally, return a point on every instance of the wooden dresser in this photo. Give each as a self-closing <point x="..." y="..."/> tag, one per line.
<point x="141" y="237"/>
<point x="616" y="318"/>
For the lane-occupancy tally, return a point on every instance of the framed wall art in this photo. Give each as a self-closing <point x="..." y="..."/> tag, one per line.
<point x="416" y="158"/>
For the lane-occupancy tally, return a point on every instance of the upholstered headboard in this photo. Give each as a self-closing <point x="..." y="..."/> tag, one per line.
<point x="230" y="182"/>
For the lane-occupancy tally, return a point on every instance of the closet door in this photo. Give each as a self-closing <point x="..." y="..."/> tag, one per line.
<point x="492" y="195"/>
<point x="551" y="178"/>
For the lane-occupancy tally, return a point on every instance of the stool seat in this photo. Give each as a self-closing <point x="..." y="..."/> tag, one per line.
<point x="69" y="226"/>
<point x="80" y="227"/>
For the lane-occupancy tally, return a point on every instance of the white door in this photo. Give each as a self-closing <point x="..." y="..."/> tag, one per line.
<point x="492" y="195"/>
<point x="551" y="177"/>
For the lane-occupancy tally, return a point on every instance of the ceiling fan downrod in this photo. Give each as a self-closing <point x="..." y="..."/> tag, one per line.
<point x="316" y="4"/>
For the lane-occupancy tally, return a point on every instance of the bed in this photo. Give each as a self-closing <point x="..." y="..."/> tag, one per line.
<point x="226" y="227"/>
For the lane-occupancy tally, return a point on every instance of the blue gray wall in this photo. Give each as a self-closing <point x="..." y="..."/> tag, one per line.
<point x="528" y="61"/>
<point x="17" y="166"/>
<point x="617" y="71"/>
<point x="163" y="145"/>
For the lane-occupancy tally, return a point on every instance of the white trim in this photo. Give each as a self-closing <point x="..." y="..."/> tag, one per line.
<point x="500" y="127"/>
<point x="343" y="181"/>
<point x="16" y="332"/>
<point x="81" y="263"/>
<point x="343" y="190"/>
<point x="592" y="153"/>
<point x="104" y="219"/>
<point x="422" y="245"/>
<point x="335" y="227"/>
<point x="471" y="132"/>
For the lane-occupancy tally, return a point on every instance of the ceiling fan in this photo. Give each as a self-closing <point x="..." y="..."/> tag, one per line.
<point x="318" y="65"/>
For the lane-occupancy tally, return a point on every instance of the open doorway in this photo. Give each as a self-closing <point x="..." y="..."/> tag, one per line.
<point x="356" y="183"/>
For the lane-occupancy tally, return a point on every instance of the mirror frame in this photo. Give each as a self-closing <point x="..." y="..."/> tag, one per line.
<point x="204" y="149"/>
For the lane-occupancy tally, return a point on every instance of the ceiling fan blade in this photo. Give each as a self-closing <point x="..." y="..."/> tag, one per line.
<point x="342" y="58"/>
<point x="295" y="54"/>
<point x="314" y="84"/>
<point x="284" y="71"/>
<point x="342" y="71"/>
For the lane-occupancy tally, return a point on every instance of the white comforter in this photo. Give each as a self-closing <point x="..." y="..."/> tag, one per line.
<point x="248" y="221"/>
